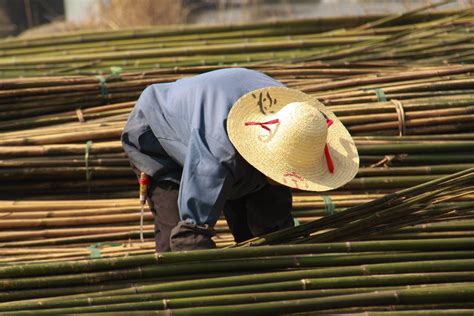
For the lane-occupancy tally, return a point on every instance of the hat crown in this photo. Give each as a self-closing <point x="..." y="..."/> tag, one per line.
<point x="303" y="128"/>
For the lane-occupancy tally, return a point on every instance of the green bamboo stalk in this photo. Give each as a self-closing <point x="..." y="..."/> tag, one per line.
<point x="185" y="298"/>
<point x="256" y="264"/>
<point x="168" y="290"/>
<point x="235" y="253"/>
<point x="311" y="304"/>
<point x="153" y="301"/>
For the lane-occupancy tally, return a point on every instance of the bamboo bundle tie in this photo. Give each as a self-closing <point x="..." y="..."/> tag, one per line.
<point x="94" y="252"/>
<point x="381" y="97"/>
<point x="94" y="249"/>
<point x="103" y="88"/>
<point x="329" y="206"/>
<point x="401" y="116"/>
<point x="104" y="91"/>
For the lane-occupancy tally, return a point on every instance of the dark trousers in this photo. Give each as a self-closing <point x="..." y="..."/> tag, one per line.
<point x="163" y="203"/>
<point x="162" y="198"/>
<point x="261" y="212"/>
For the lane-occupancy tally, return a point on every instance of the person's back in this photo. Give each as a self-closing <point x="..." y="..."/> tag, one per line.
<point x="200" y="103"/>
<point x="177" y="133"/>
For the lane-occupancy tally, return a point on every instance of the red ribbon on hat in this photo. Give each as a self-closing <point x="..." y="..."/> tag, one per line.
<point x="329" y="162"/>
<point x="263" y="124"/>
<point x="329" y="122"/>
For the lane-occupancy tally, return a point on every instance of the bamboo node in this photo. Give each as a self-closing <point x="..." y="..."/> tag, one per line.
<point x="348" y="246"/>
<point x="80" y="115"/>
<point x="397" y="297"/>
<point x="87" y="168"/>
<point x="158" y="256"/>
<point x="305" y="283"/>
<point x="364" y="269"/>
<point x="135" y="289"/>
<point x="297" y="263"/>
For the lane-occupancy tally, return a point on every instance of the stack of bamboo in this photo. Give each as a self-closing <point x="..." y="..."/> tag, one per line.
<point x="415" y="205"/>
<point x="441" y="91"/>
<point x="401" y="84"/>
<point x="410" y="36"/>
<point x="404" y="135"/>
<point x="416" y="276"/>
<point x="66" y="230"/>
<point x="402" y="277"/>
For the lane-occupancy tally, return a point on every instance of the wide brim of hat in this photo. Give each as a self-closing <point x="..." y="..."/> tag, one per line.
<point x="260" y="106"/>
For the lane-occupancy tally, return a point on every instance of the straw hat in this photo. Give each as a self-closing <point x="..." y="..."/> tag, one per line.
<point x="293" y="139"/>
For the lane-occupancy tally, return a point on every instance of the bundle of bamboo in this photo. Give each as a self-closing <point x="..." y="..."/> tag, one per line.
<point x="402" y="37"/>
<point x="408" y="275"/>
<point x="415" y="205"/>
<point x="79" y="154"/>
<point x="31" y="230"/>
<point x="28" y="103"/>
<point x="53" y="171"/>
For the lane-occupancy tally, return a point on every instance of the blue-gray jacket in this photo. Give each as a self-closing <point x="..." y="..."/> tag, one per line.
<point x="177" y="132"/>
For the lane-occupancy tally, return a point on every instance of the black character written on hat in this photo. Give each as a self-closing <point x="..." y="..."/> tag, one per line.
<point x="265" y="102"/>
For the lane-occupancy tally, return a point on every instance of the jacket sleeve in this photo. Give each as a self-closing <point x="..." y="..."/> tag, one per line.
<point x="206" y="181"/>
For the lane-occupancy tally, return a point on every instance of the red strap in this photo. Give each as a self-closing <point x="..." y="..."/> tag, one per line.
<point x="329" y="122"/>
<point x="329" y="162"/>
<point x="328" y="159"/>
<point x="263" y="124"/>
<point x="144" y="180"/>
